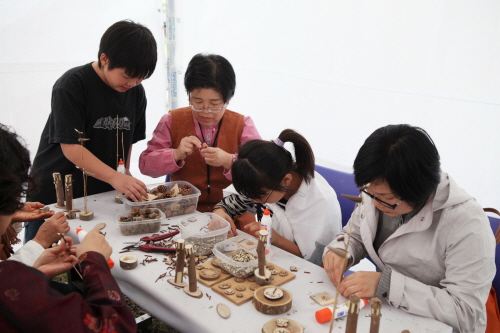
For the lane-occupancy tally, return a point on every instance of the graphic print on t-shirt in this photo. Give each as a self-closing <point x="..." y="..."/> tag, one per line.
<point x="110" y="123"/>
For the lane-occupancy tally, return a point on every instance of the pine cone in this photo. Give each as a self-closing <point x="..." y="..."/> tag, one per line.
<point x="162" y="188"/>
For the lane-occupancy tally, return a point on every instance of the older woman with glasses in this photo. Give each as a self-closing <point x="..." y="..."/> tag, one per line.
<point x="430" y="240"/>
<point x="199" y="143"/>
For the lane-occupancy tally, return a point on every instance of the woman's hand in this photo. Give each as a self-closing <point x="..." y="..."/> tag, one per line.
<point x="363" y="284"/>
<point x="334" y="267"/>
<point x="57" y="260"/>
<point x="94" y="241"/>
<point x="222" y="213"/>
<point x="186" y="147"/>
<point x="31" y="211"/>
<point x="217" y="157"/>
<point x="49" y="230"/>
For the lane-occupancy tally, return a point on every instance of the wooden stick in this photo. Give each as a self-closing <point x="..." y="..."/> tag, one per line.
<point x="117" y="137"/>
<point x="376" y="305"/>
<point x="261" y="251"/>
<point x="191" y="268"/>
<point x="179" y="266"/>
<point x="68" y="181"/>
<point x="59" y="190"/>
<point x="352" y="316"/>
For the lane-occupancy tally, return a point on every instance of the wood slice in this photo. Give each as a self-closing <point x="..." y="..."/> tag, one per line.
<point x="71" y="215"/>
<point x="223" y="310"/>
<point x="195" y="294"/>
<point x="266" y="306"/>
<point x="263" y="280"/>
<point x="118" y="199"/>
<point x="129" y="261"/>
<point x="100" y="226"/>
<point x="292" y="326"/>
<point x="87" y="216"/>
<point x="180" y="284"/>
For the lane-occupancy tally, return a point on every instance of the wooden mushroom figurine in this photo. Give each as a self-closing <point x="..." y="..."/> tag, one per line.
<point x="192" y="289"/>
<point x="262" y="274"/>
<point x="179" y="266"/>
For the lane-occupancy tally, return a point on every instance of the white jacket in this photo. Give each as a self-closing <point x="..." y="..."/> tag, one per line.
<point x="442" y="260"/>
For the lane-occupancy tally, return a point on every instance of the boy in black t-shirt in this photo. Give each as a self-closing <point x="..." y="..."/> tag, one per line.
<point x="91" y="98"/>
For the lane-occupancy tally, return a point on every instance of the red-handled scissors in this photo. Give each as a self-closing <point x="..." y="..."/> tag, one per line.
<point x="145" y="243"/>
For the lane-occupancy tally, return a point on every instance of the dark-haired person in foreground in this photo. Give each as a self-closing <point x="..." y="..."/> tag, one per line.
<point x="430" y="240"/>
<point x="99" y="99"/>
<point x="306" y="212"/>
<point x="199" y="143"/>
<point x="29" y="301"/>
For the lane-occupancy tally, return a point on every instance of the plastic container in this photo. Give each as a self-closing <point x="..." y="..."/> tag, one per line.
<point x="203" y="231"/>
<point x="266" y="224"/>
<point x="224" y="251"/>
<point x="175" y="206"/>
<point x="139" y="227"/>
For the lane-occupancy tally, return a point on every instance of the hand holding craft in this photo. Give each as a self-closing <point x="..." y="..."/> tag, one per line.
<point x="363" y="284"/>
<point x="131" y="187"/>
<point x="333" y="267"/>
<point x="94" y="241"/>
<point x="49" y="230"/>
<point x="56" y="260"/>
<point x="186" y="147"/>
<point x="31" y="211"/>
<point x="217" y="157"/>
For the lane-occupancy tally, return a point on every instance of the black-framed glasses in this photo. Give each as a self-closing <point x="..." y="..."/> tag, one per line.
<point x="382" y="202"/>
<point x="269" y="195"/>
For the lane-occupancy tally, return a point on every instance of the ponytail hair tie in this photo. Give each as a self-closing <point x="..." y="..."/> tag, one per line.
<point x="278" y="142"/>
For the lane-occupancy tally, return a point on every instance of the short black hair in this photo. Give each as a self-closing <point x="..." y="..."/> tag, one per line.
<point x="405" y="157"/>
<point x="14" y="167"/>
<point x="262" y="165"/>
<point x="210" y="71"/>
<point x="130" y="46"/>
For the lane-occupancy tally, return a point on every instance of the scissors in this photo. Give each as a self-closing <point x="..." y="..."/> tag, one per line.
<point x="145" y="243"/>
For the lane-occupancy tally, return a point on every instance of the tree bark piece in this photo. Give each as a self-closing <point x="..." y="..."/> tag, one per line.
<point x="129" y="261"/>
<point x="352" y="315"/>
<point x="192" y="288"/>
<point x="68" y="182"/>
<point x="376" y="305"/>
<point x="59" y="190"/>
<point x="87" y="215"/>
<point x="266" y="306"/>
<point x="179" y="266"/>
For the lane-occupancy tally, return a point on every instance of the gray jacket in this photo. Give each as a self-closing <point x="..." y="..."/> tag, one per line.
<point x="442" y="260"/>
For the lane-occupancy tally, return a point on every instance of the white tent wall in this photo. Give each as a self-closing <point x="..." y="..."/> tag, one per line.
<point x="43" y="39"/>
<point x="337" y="70"/>
<point x="333" y="70"/>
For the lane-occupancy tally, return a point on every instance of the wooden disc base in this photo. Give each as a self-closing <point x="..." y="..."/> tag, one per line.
<point x="87" y="216"/>
<point x="182" y="284"/>
<point x="263" y="280"/>
<point x="266" y="306"/>
<point x="60" y="207"/>
<point x="292" y="326"/>
<point x="196" y="294"/>
<point x="129" y="261"/>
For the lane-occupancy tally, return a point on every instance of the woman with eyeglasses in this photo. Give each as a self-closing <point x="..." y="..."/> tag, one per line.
<point x="430" y="240"/>
<point x="199" y="143"/>
<point x="305" y="210"/>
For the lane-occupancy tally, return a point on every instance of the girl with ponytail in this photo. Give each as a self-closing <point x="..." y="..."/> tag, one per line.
<point x="305" y="210"/>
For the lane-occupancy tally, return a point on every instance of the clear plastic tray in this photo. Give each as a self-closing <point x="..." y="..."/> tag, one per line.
<point x="203" y="231"/>
<point x="138" y="227"/>
<point x="225" y="250"/>
<point x="175" y="206"/>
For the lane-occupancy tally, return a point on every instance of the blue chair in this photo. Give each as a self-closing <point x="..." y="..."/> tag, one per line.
<point x="342" y="183"/>
<point x="495" y="227"/>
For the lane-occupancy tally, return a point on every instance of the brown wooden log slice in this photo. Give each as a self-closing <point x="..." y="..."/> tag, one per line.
<point x="223" y="310"/>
